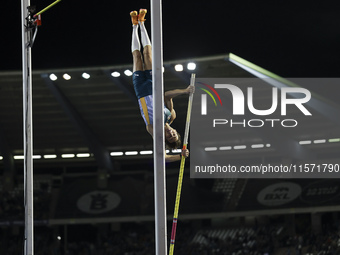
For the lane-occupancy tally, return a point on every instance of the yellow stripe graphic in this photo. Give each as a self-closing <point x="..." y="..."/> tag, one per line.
<point x="145" y="109"/>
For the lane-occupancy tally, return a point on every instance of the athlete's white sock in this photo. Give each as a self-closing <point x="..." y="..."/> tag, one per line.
<point x="144" y="35"/>
<point x="135" y="44"/>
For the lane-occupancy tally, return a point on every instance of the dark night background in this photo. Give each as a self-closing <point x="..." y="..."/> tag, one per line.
<point x="289" y="38"/>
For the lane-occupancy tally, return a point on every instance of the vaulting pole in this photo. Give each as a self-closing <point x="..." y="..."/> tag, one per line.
<point x="27" y="119"/>
<point x="181" y="170"/>
<point x="158" y="128"/>
<point x="48" y="7"/>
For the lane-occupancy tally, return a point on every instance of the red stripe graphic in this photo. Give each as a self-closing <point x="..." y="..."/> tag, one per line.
<point x="213" y="90"/>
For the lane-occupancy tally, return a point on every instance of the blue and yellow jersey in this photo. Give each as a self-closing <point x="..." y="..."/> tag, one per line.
<point x="146" y="109"/>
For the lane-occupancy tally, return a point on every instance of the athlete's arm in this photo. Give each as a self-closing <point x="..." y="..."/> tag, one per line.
<point x="177" y="157"/>
<point x="169" y="95"/>
<point x="176" y="92"/>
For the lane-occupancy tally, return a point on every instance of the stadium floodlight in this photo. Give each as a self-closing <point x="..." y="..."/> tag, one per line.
<point x="179" y="68"/>
<point x="49" y="156"/>
<point x="115" y="74"/>
<point x="225" y="148"/>
<point x="83" y="155"/>
<point x="191" y="66"/>
<point x="66" y="76"/>
<point x="53" y="77"/>
<point x="19" y="157"/>
<point x="240" y="147"/>
<point x="210" y="148"/>
<point x="146" y="152"/>
<point x="257" y="146"/>
<point x="319" y="141"/>
<point x="116" y="153"/>
<point x="86" y="76"/>
<point x="68" y="155"/>
<point x="305" y="142"/>
<point x="127" y="72"/>
<point x="130" y="153"/>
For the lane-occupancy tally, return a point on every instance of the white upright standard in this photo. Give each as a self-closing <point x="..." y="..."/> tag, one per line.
<point x="27" y="118"/>
<point x="158" y="128"/>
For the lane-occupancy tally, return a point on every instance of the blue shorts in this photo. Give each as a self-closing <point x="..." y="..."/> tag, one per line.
<point x="142" y="83"/>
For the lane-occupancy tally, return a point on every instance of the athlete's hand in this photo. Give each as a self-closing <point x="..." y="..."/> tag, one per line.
<point x="185" y="153"/>
<point x="190" y="89"/>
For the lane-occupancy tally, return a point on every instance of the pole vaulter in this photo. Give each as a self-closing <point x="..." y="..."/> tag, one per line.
<point x="157" y="109"/>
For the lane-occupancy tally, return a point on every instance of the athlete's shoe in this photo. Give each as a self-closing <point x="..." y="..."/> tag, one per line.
<point x="141" y="16"/>
<point x="134" y="17"/>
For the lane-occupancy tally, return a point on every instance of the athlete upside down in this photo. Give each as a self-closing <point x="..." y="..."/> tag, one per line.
<point x="142" y="82"/>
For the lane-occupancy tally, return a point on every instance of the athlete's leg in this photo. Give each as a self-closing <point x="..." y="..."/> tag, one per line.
<point x="135" y="44"/>
<point x="147" y="51"/>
